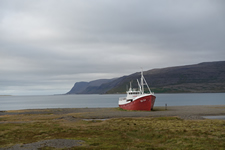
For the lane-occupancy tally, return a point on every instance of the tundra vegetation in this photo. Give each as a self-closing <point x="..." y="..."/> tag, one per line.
<point x="116" y="133"/>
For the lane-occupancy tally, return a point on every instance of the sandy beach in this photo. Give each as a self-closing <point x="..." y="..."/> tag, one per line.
<point x="183" y="112"/>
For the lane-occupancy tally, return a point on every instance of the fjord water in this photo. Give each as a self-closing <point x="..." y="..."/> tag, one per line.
<point x="103" y="101"/>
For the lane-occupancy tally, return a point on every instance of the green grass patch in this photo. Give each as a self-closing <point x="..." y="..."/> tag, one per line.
<point x="122" y="133"/>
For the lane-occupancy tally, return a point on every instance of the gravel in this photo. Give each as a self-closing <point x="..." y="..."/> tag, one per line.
<point x="194" y="112"/>
<point x="183" y="112"/>
<point x="55" y="143"/>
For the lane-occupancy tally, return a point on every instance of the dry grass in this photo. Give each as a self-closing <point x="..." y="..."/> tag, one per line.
<point x="121" y="133"/>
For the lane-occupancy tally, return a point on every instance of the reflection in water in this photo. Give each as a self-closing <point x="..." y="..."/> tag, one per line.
<point x="214" y="117"/>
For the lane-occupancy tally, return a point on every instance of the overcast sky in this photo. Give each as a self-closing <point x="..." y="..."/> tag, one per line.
<point x="48" y="45"/>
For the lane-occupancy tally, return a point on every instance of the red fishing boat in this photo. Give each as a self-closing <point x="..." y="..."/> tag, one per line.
<point x="137" y="99"/>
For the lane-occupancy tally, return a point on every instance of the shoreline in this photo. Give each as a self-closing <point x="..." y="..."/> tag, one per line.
<point x="193" y="112"/>
<point x="82" y="127"/>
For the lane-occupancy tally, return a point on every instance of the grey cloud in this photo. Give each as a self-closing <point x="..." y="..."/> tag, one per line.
<point x="53" y="43"/>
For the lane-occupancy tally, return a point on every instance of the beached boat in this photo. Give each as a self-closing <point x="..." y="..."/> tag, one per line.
<point x="137" y="99"/>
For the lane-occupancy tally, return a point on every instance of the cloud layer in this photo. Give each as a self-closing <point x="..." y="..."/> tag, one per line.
<point x="47" y="46"/>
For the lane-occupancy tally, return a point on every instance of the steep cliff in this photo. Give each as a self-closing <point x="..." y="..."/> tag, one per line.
<point x="203" y="77"/>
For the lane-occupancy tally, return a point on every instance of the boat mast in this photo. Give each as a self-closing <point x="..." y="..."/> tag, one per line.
<point x="139" y="85"/>
<point x="130" y="87"/>
<point x="147" y="86"/>
<point x="142" y="82"/>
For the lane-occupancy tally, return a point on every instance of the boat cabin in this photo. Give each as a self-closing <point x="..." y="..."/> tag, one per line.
<point x="132" y="93"/>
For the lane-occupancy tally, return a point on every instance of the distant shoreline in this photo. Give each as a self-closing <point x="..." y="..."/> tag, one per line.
<point x="152" y="91"/>
<point x="194" y="112"/>
<point x="118" y="94"/>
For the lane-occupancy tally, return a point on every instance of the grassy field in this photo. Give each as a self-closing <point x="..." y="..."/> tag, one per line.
<point x="120" y="133"/>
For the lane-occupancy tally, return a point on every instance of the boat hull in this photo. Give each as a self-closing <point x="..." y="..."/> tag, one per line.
<point x="142" y="103"/>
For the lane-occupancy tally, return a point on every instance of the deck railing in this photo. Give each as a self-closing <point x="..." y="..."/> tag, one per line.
<point x="122" y="98"/>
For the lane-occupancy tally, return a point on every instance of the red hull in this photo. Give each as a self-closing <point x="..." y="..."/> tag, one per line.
<point x="143" y="103"/>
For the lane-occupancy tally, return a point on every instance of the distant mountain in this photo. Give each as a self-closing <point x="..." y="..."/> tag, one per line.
<point x="90" y="87"/>
<point x="203" y="77"/>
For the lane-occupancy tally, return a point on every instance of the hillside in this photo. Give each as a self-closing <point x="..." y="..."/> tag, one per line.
<point x="203" y="77"/>
<point x="90" y="87"/>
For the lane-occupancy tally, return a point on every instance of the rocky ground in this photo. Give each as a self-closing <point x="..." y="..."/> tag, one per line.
<point x="183" y="112"/>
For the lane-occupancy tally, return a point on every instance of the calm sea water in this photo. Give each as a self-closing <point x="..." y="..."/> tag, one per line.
<point x="108" y="100"/>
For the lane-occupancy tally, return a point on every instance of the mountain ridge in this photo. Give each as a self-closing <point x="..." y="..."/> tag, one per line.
<point x="196" y="78"/>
